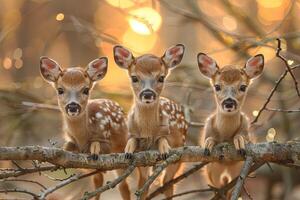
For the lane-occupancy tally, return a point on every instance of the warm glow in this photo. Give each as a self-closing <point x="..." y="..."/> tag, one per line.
<point x="18" y="63"/>
<point x="229" y="23"/>
<point x="290" y="62"/>
<point x="270" y="3"/>
<point x="255" y="113"/>
<point x="139" y="43"/>
<point x="121" y="3"/>
<point x="60" y="17"/>
<point x="7" y="63"/>
<point x="17" y="53"/>
<point x="271" y="135"/>
<point x="145" y="20"/>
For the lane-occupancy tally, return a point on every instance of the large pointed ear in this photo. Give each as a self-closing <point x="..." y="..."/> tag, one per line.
<point x="173" y="55"/>
<point x="254" y="66"/>
<point x="97" y="68"/>
<point x="123" y="57"/>
<point x="50" y="69"/>
<point x="207" y="65"/>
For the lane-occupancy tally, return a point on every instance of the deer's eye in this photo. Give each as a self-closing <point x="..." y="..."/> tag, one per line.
<point x="161" y="79"/>
<point x="217" y="87"/>
<point x="86" y="91"/>
<point x="60" y="91"/>
<point x="243" y="88"/>
<point x="134" y="79"/>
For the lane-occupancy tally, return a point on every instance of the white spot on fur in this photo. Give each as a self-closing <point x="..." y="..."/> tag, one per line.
<point x="99" y="115"/>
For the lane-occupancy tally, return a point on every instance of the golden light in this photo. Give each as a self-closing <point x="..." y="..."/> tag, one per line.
<point x="19" y="63"/>
<point x="139" y="43"/>
<point x="17" y="53"/>
<point x="229" y="23"/>
<point x="7" y="63"/>
<point x="145" y="20"/>
<point x="255" y="113"/>
<point x="290" y="62"/>
<point x="60" y="17"/>
<point x="121" y="3"/>
<point x="270" y="3"/>
<point x="271" y="135"/>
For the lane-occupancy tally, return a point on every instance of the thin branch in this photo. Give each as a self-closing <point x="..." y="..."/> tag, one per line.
<point x="220" y="192"/>
<point x="241" y="179"/>
<point x="71" y="179"/>
<point x="16" y="190"/>
<point x="16" y="173"/>
<point x="158" y="169"/>
<point x="24" y="180"/>
<point x="109" y="185"/>
<point x="35" y="106"/>
<point x="287" y="65"/>
<point x="283" y="75"/>
<point x="188" y="192"/>
<point x="282" y="110"/>
<point x="247" y="192"/>
<point x="166" y="185"/>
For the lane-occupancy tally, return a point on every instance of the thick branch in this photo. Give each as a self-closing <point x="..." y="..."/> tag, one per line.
<point x="283" y="153"/>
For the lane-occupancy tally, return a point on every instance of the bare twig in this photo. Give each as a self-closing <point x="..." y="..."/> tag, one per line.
<point x="24" y="180"/>
<point x="189" y="192"/>
<point x="287" y="65"/>
<point x="16" y="173"/>
<point x="109" y="185"/>
<point x="71" y="179"/>
<point x="186" y="174"/>
<point x="35" y="106"/>
<point x="283" y="75"/>
<point x="282" y="110"/>
<point x="241" y="179"/>
<point x="158" y="169"/>
<point x="16" y="190"/>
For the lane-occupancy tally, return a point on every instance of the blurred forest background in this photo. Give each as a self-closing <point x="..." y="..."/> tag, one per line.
<point x="74" y="32"/>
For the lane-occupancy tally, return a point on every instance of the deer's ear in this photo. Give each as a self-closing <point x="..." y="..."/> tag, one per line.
<point x="208" y="66"/>
<point x="254" y="66"/>
<point x="97" y="68"/>
<point x="123" y="57"/>
<point x="173" y="55"/>
<point x="50" y="69"/>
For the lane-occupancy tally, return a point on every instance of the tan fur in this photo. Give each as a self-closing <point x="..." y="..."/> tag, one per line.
<point x="99" y="128"/>
<point x="160" y="125"/>
<point x="223" y="127"/>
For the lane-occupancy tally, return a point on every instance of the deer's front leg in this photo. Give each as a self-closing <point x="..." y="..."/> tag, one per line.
<point x="163" y="147"/>
<point x="239" y="142"/>
<point x="95" y="150"/>
<point x="130" y="147"/>
<point x="209" y="143"/>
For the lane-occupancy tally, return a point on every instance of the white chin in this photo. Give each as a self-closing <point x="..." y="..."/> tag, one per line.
<point x="229" y="110"/>
<point x="147" y="102"/>
<point x="73" y="114"/>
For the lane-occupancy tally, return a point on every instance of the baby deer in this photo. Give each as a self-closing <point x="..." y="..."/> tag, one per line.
<point x="227" y="123"/>
<point x="90" y="126"/>
<point x="154" y="122"/>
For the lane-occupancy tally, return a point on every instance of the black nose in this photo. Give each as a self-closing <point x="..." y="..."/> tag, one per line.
<point x="73" y="107"/>
<point x="148" y="95"/>
<point x="229" y="103"/>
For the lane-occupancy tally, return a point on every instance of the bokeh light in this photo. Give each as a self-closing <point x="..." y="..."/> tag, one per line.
<point x="145" y="20"/>
<point x="7" y="63"/>
<point x="229" y="23"/>
<point x="137" y="42"/>
<point x="255" y="113"/>
<point x="271" y="135"/>
<point x="121" y="3"/>
<point x="60" y="17"/>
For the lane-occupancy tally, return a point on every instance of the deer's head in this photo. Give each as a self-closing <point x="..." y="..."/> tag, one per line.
<point x="148" y="72"/>
<point x="73" y="85"/>
<point x="230" y="82"/>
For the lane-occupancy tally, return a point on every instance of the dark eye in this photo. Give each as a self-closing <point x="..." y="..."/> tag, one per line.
<point x="217" y="87"/>
<point x="134" y="79"/>
<point x="60" y="91"/>
<point x="86" y="91"/>
<point x="243" y="88"/>
<point x="161" y="79"/>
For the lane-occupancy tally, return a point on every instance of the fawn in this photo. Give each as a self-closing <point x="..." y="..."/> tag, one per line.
<point x="227" y="123"/>
<point x="154" y="122"/>
<point x="91" y="126"/>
